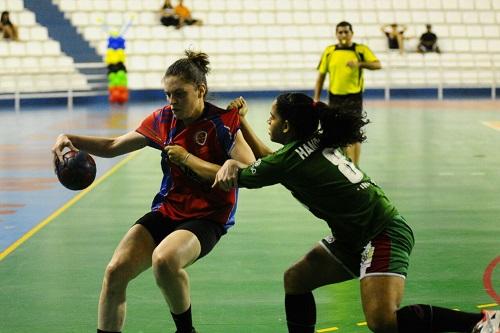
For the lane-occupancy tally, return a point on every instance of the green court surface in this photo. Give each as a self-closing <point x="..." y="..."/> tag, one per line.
<point x="439" y="162"/>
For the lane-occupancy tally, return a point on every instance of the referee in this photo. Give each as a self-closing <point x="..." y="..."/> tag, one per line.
<point x="344" y="63"/>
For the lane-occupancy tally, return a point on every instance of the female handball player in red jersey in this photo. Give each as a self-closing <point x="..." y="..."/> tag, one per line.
<point x="188" y="217"/>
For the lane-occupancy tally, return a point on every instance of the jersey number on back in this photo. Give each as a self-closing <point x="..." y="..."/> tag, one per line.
<point x="347" y="168"/>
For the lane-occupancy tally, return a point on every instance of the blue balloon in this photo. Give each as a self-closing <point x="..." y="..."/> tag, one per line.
<point x="120" y="42"/>
<point x="116" y="43"/>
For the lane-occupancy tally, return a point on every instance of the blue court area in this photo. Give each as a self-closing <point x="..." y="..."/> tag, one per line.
<point x="438" y="161"/>
<point x="29" y="190"/>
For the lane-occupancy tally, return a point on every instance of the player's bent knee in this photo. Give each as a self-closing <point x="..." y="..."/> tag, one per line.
<point x="292" y="281"/>
<point x="165" y="264"/>
<point x="382" y="324"/>
<point x="117" y="275"/>
<point x="381" y="327"/>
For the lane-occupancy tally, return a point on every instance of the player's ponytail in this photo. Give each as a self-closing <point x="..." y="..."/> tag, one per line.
<point x="342" y="125"/>
<point x="200" y="59"/>
<point x="192" y="69"/>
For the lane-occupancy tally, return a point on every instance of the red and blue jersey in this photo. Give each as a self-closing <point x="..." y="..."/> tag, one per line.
<point x="183" y="195"/>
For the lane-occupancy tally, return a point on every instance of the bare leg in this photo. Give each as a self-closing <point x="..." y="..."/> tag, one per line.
<point x="317" y="268"/>
<point x="131" y="257"/>
<point x="176" y="252"/>
<point x="353" y="152"/>
<point x="401" y="43"/>
<point x="381" y="297"/>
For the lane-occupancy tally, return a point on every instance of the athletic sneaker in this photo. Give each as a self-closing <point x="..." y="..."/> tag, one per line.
<point x="489" y="324"/>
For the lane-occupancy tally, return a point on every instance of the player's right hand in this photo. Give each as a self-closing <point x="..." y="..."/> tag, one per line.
<point x="62" y="142"/>
<point x="240" y="104"/>
<point x="227" y="176"/>
<point x="176" y="154"/>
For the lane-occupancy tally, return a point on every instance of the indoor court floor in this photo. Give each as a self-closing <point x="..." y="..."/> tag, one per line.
<point x="439" y="161"/>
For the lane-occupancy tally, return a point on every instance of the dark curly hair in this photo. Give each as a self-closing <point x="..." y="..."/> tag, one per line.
<point x="193" y="69"/>
<point x="298" y="109"/>
<point x="340" y="125"/>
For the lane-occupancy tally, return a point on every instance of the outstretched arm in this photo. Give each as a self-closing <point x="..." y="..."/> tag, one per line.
<point x="259" y="148"/>
<point x="99" y="146"/>
<point x="227" y="176"/>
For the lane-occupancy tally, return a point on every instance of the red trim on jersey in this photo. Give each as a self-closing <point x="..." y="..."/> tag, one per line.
<point x="183" y="194"/>
<point x="382" y="254"/>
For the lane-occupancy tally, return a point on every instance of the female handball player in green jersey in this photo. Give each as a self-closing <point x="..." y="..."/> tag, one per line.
<point x="369" y="238"/>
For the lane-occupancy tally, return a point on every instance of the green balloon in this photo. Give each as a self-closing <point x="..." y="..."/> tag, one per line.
<point x="116" y="81"/>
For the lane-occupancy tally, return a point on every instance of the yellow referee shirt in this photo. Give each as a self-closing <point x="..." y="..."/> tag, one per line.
<point x="344" y="79"/>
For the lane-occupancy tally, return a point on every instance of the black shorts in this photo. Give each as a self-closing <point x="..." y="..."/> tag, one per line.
<point x="355" y="100"/>
<point x="170" y="20"/>
<point x="208" y="232"/>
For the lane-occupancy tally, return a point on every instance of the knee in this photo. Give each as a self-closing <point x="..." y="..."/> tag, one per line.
<point x="116" y="275"/>
<point x="382" y="323"/>
<point x="299" y="278"/>
<point x="291" y="281"/>
<point x="165" y="265"/>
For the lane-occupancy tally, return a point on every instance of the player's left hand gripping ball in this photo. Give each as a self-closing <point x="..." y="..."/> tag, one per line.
<point x="77" y="170"/>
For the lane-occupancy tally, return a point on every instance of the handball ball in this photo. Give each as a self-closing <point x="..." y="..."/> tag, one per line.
<point x="77" y="171"/>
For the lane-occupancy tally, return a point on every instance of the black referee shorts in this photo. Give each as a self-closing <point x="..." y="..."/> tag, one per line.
<point x="353" y="101"/>
<point x="208" y="232"/>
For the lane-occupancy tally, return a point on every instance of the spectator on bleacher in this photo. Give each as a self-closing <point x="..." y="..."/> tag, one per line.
<point x="184" y="15"/>
<point x="8" y="29"/>
<point x="395" y="36"/>
<point x="344" y="63"/>
<point x="428" y="41"/>
<point x="168" y="16"/>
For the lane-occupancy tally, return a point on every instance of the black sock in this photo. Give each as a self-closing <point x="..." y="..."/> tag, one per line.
<point x="183" y="321"/>
<point x="101" y="331"/>
<point x="422" y="318"/>
<point x="300" y="313"/>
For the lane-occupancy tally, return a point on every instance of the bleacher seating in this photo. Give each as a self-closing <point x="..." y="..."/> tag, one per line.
<point x="35" y="63"/>
<point x="276" y="44"/>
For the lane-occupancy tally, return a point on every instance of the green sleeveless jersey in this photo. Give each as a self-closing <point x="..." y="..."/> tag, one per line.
<point x="330" y="185"/>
